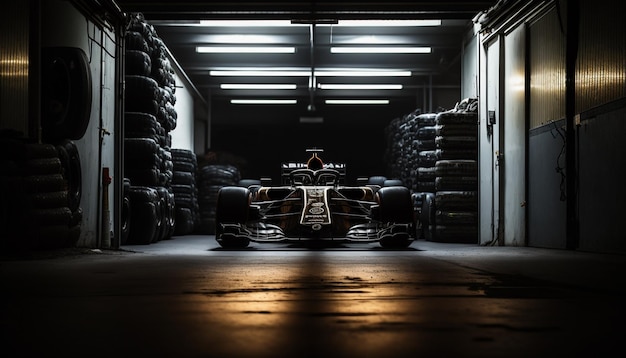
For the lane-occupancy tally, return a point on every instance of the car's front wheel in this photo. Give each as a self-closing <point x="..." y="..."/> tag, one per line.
<point x="396" y="207"/>
<point x="232" y="209"/>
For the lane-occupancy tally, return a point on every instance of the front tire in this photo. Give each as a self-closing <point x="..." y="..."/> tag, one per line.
<point x="395" y="206"/>
<point x="232" y="207"/>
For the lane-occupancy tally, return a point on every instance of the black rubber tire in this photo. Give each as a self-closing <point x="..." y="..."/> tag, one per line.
<point x="65" y="93"/>
<point x="136" y="41"/>
<point x="233" y="203"/>
<point x="456" y="200"/>
<point x="456" y="183"/>
<point x="126" y="220"/>
<point x="456" y="142"/>
<point x="457" y="118"/>
<point x="395" y="205"/>
<point x="184" y="221"/>
<point x="72" y="172"/>
<point x="44" y="183"/>
<point x="459" y="168"/>
<point x="246" y="183"/>
<point x="393" y="182"/>
<point x="138" y="63"/>
<point x="144" y="203"/>
<point x="426" y="119"/>
<point x="463" y="130"/>
<point x="376" y="180"/>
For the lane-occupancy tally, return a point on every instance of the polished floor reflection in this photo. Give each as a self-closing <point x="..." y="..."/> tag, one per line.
<point x="186" y="297"/>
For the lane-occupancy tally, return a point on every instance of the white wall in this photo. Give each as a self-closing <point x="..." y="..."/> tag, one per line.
<point x="64" y="25"/>
<point x="183" y="135"/>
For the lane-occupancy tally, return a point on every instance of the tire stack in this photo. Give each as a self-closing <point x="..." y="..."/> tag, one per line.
<point x="38" y="204"/>
<point x="425" y="147"/>
<point x="187" y="208"/>
<point x="401" y="155"/>
<point x="455" y="216"/>
<point x="211" y="179"/>
<point x="149" y="118"/>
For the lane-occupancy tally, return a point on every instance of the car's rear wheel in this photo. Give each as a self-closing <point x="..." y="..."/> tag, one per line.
<point x="233" y="205"/>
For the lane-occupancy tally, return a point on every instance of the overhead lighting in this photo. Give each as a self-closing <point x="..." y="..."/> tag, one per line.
<point x="247" y="23"/>
<point x="287" y="23"/>
<point x="357" y="101"/>
<point x="243" y="86"/>
<point x="245" y="49"/>
<point x="363" y="73"/>
<point x="377" y="23"/>
<point x="333" y="86"/>
<point x="390" y="49"/>
<point x="305" y="73"/>
<point x="263" y="101"/>
<point x="242" y="39"/>
<point x="259" y="73"/>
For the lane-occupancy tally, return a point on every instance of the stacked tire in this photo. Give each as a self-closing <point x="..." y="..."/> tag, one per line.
<point x="39" y="209"/>
<point x="401" y="155"/>
<point x="426" y="153"/>
<point x="148" y="121"/>
<point x="187" y="208"/>
<point x="435" y="155"/>
<point x="455" y="212"/>
<point x="211" y="179"/>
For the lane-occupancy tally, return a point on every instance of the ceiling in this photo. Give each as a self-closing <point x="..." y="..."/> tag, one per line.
<point x="315" y="29"/>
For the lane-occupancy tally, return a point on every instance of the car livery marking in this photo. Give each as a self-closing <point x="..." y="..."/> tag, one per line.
<point x="315" y="212"/>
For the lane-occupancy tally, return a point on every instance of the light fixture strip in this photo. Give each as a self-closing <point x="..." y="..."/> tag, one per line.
<point x="351" y="23"/>
<point x="304" y="73"/>
<point x="357" y="101"/>
<point x="388" y="23"/>
<point x="332" y="86"/>
<point x="250" y="86"/>
<point x="245" y="49"/>
<point x="390" y="49"/>
<point x="263" y="101"/>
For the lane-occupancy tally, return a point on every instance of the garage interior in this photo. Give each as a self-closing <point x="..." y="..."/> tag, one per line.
<point x="544" y="79"/>
<point x="546" y="104"/>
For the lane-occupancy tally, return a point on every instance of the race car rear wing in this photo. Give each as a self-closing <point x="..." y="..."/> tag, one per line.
<point x="287" y="168"/>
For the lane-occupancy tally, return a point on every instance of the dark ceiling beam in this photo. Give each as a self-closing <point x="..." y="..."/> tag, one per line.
<point x="305" y="10"/>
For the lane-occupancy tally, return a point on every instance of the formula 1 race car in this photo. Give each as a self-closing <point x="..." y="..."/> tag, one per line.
<point x="313" y="205"/>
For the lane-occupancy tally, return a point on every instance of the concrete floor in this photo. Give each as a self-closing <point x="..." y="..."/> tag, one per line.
<point x="186" y="297"/>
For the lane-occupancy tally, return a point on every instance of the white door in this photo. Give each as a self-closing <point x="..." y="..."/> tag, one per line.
<point x="513" y="130"/>
<point x="489" y="162"/>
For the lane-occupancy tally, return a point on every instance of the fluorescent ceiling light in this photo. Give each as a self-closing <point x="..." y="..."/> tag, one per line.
<point x="377" y="23"/>
<point x="288" y="23"/>
<point x="248" y="23"/>
<point x="363" y="73"/>
<point x="357" y="101"/>
<point x="242" y="39"/>
<point x="390" y="49"/>
<point x="305" y="73"/>
<point x="244" y="86"/>
<point x="245" y="49"/>
<point x="259" y="73"/>
<point x="263" y="101"/>
<point x="332" y="86"/>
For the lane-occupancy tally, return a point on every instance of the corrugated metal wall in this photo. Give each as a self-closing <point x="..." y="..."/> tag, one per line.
<point x="601" y="68"/>
<point x="14" y="43"/>
<point x="547" y="70"/>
